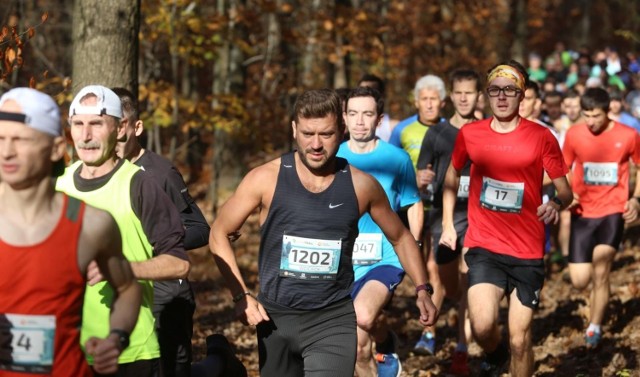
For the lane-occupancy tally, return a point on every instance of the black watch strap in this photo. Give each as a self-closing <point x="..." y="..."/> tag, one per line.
<point x="123" y="337"/>
<point x="556" y="200"/>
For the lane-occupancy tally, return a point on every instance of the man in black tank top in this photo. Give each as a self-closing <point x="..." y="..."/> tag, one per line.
<point x="309" y="204"/>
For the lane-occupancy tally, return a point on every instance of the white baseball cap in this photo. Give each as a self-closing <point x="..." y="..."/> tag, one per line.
<point x="108" y="102"/>
<point x="39" y="111"/>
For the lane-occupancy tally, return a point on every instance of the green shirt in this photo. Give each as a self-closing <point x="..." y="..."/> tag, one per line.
<point x="115" y="198"/>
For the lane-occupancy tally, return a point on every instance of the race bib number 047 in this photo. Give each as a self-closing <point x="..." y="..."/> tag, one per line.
<point x="26" y="342"/>
<point x="367" y="249"/>
<point x="308" y="258"/>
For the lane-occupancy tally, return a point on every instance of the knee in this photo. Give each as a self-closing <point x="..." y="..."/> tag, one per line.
<point x="579" y="280"/>
<point x="482" y="328"/>
<point x="520" y="344"/>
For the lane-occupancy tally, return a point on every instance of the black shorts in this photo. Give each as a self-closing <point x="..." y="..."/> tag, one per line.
<point x="139" y="368"/>
<point x="320" y="342"/>
<point x="587" y="233"/>
<point x="508" y="273"/>
<point x="443" y="254"/>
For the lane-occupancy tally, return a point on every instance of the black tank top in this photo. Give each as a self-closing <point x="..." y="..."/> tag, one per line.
<point x="307" y="240"/>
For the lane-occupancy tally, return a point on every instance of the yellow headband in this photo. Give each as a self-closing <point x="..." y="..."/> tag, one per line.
<point x="509" y="72"/>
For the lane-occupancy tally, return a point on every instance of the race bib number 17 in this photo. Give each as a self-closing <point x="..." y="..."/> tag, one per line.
<point x="502" y="196"/>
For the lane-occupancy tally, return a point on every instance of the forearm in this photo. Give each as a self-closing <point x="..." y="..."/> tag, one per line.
<point x="449" y="195"/>
<point x="161" y="267"/>
<point x="125" y="307"/>
<point x="415" y="215"/>
<point x="636" y="191"/>
<point x="227" y="264"/>
<point x="411" y="259"/>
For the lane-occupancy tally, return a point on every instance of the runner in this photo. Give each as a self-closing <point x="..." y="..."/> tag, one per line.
<point x="436" y="154"/>
<point x="376" y="267"/>
<point x="505" y="237"/>
<point x="150" y="226"/>
<point x="47" y="240"/>
<point x="309" y="204"/>
<point x="386" y="125"/>
<point x="173" y="301"/>
<point x="599" y="152"/>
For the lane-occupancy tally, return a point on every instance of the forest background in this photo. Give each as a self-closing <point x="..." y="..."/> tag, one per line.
<point x="217" y="80"/>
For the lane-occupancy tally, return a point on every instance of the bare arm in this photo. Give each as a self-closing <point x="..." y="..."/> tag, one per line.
<point x="415" y="215"/>
<point x="451" y="182"/>
<point x="632" y="207"/>
<point x="372" y="198"/>
<point x="248" y="196"/>
<point x="100" y="240"/>
<point x="161" y="267"/>
<point x="549" y="212"/>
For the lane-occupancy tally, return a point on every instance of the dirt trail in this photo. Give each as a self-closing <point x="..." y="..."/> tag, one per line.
<point x="557" y="330"/>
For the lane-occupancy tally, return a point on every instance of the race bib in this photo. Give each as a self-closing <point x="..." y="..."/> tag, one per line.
<point x="309" y="258"/>
<point x="367" y="249"/>
<point x="463" y="187"/>
<point x="501" y="196"/>
<point x="26" y="342"/>
<point x="600" y="173"/>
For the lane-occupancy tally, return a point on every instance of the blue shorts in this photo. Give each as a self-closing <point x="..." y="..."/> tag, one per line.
<point x="390" y="276"/>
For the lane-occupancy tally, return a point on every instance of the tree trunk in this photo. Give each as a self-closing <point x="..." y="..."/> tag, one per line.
<point x="105" y="43"/>
<point x="519" y="21"/>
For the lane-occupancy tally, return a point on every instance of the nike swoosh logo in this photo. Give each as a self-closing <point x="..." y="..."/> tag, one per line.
<point x="393" y="286"/>
<point x="331" y="206"/>
<point x="287" y="166"/>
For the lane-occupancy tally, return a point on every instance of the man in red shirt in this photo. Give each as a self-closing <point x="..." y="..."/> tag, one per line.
<point x="47" y="240"/>
<point x="599" y="151"/>
<point x="509" y="156"/>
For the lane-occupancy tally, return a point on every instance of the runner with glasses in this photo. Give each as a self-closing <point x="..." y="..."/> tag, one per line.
<point x="508" y="156"/>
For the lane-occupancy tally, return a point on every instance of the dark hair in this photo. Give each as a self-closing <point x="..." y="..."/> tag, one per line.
<point x="318" y="103"/>
<point x="615" y="95"/>
<point x="595" y="98"/>
<point x="129" y="103"/>
<point x="533" y="86"/>
<point x="465" y="74"/>
<point x="366" y="91"/>
<point x="571" y="93"/>
<point x="379" y="83"/>
<point x="553" y="94"/>
<point x="516" y="65"/>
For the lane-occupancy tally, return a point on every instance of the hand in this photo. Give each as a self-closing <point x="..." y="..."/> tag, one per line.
<point x="94" y="276"/>
<point x="428" y="311"/>
<point x="425" y="177"/>
<point x="631" y="210"/>
<point x="449" y="237"/>
<point x="250" y="311"/>
<point x="105" y="353"/>
<point x="549" y="213"/>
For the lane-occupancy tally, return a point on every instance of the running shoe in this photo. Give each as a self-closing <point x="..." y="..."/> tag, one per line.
<point x="388" y="365"/>
<point x="592" y="339"/>
<point x="426" y="345"/>
<point x="492" y="367"/>
<point x="459" y="365"/>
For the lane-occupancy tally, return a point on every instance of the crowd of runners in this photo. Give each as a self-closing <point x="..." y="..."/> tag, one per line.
<point x="94" y="263"/>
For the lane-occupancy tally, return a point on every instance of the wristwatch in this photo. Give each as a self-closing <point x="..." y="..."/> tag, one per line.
<point x="123" y="337"/>
<point x="425" y="287"/>
<point x="557" y="201"/>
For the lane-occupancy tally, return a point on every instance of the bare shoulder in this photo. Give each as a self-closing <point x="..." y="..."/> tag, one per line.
<point x="264" y="173"/>
<point x="365" y="185"/>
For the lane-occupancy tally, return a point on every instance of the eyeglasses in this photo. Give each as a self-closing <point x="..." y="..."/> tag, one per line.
<point x="509" y="91"/>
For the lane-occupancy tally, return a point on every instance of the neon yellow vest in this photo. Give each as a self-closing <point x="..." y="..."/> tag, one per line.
<point x="115" y="198"/>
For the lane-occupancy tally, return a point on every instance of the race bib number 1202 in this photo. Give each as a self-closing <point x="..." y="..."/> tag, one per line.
<point x="308" y="258"/>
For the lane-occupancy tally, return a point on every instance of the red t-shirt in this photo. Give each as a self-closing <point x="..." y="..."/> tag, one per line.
<point x="506" y="185"/>
<point x="42" y="290"/>
<point x="601" y="167"/>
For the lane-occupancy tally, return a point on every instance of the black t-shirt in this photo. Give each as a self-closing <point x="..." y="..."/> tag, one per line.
<point x="159" y="219"/>
<point x="436" y="150"/>
<point x="170" y="180"/>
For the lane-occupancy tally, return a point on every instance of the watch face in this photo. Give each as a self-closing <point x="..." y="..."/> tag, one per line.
<point x="429" y="289"/>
